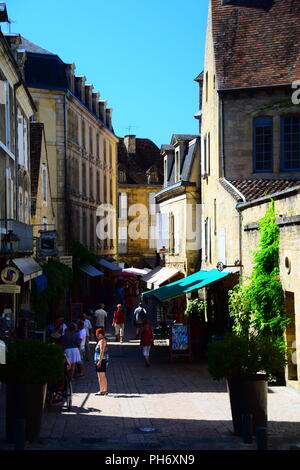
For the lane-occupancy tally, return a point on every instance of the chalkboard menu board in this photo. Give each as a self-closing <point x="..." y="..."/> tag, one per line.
<point x="179" y="340"/>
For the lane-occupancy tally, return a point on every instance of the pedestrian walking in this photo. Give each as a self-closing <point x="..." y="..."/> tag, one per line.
<point x="139" y="315"/>
<point x="119" y="323"/>
<point x="120" y="294"/>
<point x="82" y="337"/>
<point x="71" y="343"/>
<point x="56" y="335"/>
<point x="146" y="340"/>
<point x="101" y="361"/>
<point x="100" y="317"/>
<point x="89" y="332"/>
<point x="128" y="305"/>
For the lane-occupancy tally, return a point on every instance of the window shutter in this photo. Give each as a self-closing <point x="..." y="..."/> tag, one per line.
<point x="222" y="245"/>
<point x="203" y="238"/>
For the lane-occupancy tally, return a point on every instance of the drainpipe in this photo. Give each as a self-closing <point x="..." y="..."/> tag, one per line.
<point x="238" y="208"/>
<point x="16" y="86"/>
<point x="67" y="225"/>
<point x="222" y="139"/>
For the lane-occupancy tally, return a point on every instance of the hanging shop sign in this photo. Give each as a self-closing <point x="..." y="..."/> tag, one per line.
<point x="47" y="243"/>
<point x="67" y="260"/>
<point x="10" y="275"/>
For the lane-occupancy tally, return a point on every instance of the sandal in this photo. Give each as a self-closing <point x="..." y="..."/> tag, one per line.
<point x="103" y="393"/>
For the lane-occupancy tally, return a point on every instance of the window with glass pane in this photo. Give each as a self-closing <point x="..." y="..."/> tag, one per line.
<point x="290" y="143"/>
<point x="263" y="144"/>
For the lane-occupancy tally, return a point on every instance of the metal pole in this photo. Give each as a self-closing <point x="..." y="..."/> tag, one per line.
<point x="20" y="424"/>
<point x="261" y="438"/>
<point x="247" y="426"/>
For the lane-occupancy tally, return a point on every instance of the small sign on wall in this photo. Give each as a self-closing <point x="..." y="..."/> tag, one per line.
<point x="9" y="289"/>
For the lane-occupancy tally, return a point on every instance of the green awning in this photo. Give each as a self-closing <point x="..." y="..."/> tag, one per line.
<point x="183" y="286"/>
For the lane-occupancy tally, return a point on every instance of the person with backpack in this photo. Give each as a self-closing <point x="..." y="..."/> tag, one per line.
<point x="139" y="316"/>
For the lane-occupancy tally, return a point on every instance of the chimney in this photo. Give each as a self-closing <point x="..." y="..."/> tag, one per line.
<point x="88" y="96"/>
<point x="95" y="101"/>
<point x="130" y="143"/>
<point x="70" y="69"/>
<point x="109" y="118"/>
<point x="79" y="87"/>
<point x="102" y="111"/>
<point x="3" y="13"/>
<point x="14" y="41"/>
<point x="21" y="59"/>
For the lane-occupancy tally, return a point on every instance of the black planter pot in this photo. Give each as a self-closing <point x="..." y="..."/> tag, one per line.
<point x="25" y="401"/>
<point x="248" y="395"/>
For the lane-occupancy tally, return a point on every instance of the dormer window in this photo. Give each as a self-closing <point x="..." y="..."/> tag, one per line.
<point x="122" y="175"/>
<point x="152" y="176"/>
<point x="177" y="165"/>
<point x="166" y="171"/>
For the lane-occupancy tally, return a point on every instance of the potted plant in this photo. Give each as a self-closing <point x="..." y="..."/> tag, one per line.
<point x="247" y="360"/>
<point x="30" y="365"/>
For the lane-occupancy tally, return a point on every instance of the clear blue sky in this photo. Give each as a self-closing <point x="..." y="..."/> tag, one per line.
<point x="142" y="56"/>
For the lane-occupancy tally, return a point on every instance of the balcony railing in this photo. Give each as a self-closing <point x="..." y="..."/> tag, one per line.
<point x="23" y="231"/>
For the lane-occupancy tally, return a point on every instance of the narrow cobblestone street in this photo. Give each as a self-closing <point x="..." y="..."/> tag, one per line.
<point x="186" y="408"/>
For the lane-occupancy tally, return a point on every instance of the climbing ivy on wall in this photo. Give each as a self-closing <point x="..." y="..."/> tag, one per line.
<point x="260" y="303"/>
<point x="265" y="292"/>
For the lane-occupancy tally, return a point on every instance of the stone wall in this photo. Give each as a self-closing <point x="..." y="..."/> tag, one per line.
<point x="287" y="208"/>
<point x="77" y="138"/>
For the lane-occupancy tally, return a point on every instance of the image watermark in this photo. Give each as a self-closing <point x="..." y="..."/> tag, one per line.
<point x="296" y="93"/>
<point x="139" y="222"/>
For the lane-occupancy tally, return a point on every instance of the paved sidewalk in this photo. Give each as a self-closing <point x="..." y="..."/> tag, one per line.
<point x="184" y="406"/>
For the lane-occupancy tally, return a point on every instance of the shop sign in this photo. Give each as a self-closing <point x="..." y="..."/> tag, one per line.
<point x="10" y="275"/>
<point x="47" y="243"/>
<point x="9" y="289"/>
<point x="2" y="352"/>
<point x="180" y="341"/>
<point x="67" y="260"/>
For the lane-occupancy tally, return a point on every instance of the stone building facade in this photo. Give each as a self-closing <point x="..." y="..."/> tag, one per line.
<point x="42" y="212"/>
<point x="179" y="201"/>
<point x="81" y="147"/>
<point x="287" y="210"/>
<point x="140" y="177"/>
<point x="16" y="110"/>
<point x="250" y="129"/>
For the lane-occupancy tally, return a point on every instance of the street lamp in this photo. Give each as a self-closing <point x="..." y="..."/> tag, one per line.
<point x="10" y="242"/>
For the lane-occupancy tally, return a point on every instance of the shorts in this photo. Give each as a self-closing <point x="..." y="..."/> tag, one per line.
<point x="119" y="329"/>
<point x="146" y="350"/>
<point x="103" y="366"/>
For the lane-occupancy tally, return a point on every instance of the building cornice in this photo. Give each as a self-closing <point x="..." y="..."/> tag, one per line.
<point x="174" y="190"/>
